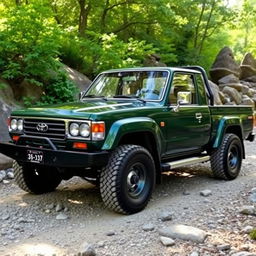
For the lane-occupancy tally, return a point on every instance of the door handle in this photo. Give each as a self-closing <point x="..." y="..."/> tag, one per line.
<point x="199" y="116"/>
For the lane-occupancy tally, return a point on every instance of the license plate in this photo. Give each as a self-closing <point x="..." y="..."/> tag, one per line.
<point x="35" y="156"/>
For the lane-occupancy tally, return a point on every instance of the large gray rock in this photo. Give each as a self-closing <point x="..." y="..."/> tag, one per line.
<point x="247" y="101"/>
<point x="238" y="86"/>
<point x="248" y="66"/>
<point x="184" y="232"/>
<point x="229" y="79"/>
<point x="233" y="94"/>
<point x="215" y="90"/>
<point x="80" y="80"/>
<point x="5" y="162"/>
<point x="224" y="65"/>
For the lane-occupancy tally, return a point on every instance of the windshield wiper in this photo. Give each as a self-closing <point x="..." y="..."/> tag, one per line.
<point x="129" y="97"/>
<point x="94" y="96"/>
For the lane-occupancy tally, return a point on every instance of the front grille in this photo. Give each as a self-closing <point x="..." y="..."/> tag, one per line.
<point x="55" y="131"/>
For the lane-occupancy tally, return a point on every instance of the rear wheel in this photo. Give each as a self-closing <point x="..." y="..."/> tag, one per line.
<point x="127" y="182"/>
<point x="36" y="180"/>
<point x="226" y="161"/>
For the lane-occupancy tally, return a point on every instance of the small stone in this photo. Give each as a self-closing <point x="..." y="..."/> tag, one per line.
<point x="110" y="233"/>
<point x="245" y="247"/>
<point x="3" y="173"/>
<point x="50" y="206"/>
<point x="6" y="181"/>
<point x="47" y="211"/>
<point x="10" y="175"/>
<point x="6" y="217"/>
<point x="184" y="232"/>
<point x="206" y="192"/>
<point x="247" y="210"/>
<point x="252" y="197"/>
<point x="194" y="254"/>
<point x="87" y="250"/>
<point x="101" y="244"/>
<point x="165" y="216"/>
<point x="186" y="193"/>
<point x="148" y="227"/>
<point x="166" y="241"/>
<point x="243" y="253"/>
<point x="61" y="216"/>
<point x="59" y="207"/>
<point x="207" y="201"/>
<point x="223" y="247"/>
<point x="247" y="229"/>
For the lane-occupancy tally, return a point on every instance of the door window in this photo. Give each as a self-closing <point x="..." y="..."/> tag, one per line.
<point x="182" y="83"/>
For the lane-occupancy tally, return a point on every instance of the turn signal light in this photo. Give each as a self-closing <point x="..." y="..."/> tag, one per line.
<point x="15" y="138"/>
<point x="98" y="130"/>
<point x="79" y="145"/>
<point x="98" y="127"/>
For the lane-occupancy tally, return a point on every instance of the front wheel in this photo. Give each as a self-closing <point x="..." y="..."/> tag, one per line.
<point x="226" y="161"/>
<point x="36" y="179"/>
<point x="127" y="182"/>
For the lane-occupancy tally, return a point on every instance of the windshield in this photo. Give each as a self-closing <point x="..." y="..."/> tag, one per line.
<point x="146" y="85"/>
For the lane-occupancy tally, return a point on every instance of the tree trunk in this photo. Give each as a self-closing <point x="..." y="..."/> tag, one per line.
<point x="83" y="16"/>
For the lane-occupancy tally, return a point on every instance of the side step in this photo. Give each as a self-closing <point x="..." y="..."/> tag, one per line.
<point x="183" y="162"/>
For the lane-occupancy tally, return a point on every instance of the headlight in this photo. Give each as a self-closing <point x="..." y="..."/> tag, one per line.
<point x="14" y="124"/>
<point x="74" y="129"/>
<point x="84" y="130"/>
<point x="20" y="125"/>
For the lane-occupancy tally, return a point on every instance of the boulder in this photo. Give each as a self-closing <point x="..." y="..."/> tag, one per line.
<point x="80" y="80"/>
<point x="215" y="90"/>
<point x="247" y="101"/>
<point x="250" y="79"/>
<point x="5" y="162"/>
<point x="239" y="87"/>
<point x="153" y="60"/>
<point x="248" y="66"/>
<point x="27" y="90"/>
<point x="224" y="65"/>
<point x="229" y="79"/>
<point x="233" y="94"/>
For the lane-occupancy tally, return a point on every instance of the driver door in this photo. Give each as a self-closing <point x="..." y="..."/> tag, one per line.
<point x="188" y="124"/>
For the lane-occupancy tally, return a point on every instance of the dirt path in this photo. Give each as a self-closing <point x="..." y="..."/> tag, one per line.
<point x="28" y="223"/>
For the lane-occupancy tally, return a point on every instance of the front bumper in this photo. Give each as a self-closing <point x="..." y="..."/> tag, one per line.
<point x="57" y="158"/>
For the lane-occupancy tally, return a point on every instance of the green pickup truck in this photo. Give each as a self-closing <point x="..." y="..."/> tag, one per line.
<point x="127" y="128"/>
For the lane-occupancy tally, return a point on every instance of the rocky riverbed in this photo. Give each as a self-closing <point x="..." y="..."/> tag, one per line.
<point x="190" y="214"/>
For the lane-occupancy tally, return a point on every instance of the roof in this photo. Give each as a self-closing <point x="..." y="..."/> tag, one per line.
<point x="183" y="69"/>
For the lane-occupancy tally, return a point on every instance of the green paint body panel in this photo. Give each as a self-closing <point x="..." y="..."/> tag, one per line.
<point x="181" y="131"/>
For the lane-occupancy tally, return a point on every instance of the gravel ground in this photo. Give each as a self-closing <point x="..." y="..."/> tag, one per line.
<point x="61" y="222"/>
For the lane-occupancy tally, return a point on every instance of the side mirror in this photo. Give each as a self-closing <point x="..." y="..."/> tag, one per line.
<point x="80" y="96"/>
<point x="184" y="98"/>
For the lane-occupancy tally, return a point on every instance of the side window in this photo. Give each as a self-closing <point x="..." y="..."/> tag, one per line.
<point x="201" y="90"/>
<point x="182" y="83"/>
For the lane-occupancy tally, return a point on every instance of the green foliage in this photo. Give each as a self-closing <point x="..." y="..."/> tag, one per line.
<point x="253" y="234"/>
<point x="59" y="90"/>
<point x="94" y="35"/>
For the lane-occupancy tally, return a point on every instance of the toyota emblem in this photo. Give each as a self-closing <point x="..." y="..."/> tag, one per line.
<point x="42" y="127"/>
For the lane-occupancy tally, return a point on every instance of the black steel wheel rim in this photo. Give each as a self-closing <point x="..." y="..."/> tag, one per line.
<point x="234" y="158"/>
<point x="136" y="180"/>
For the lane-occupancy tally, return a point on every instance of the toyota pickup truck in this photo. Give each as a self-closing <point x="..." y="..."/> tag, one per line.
<point x="127" y="128"/>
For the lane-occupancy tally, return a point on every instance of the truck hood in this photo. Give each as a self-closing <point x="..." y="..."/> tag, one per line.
<point x="78" y="109"/>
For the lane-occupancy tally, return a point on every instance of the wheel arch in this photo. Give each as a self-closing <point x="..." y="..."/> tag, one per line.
<point x="141" y="131"/>
<point x="229" y="125"/>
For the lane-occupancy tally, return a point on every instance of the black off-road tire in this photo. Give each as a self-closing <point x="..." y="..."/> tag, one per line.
<point x="36" y="180"/>
<point x="128" y="165"/>
<point x="226" y="161"/>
